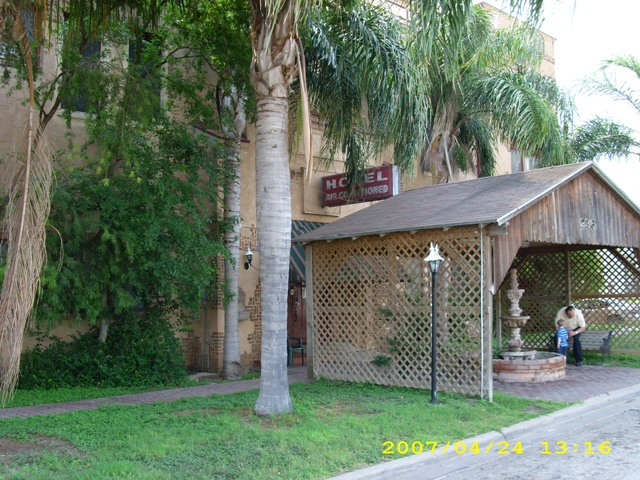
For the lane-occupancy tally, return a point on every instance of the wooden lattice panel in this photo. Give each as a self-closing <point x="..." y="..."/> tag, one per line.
<point x="372" y="310"/>
<point x="604" y="284"/>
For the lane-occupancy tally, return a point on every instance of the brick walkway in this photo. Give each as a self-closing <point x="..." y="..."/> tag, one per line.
<point x="296" y="375"/>
<point x="579" y="384"/>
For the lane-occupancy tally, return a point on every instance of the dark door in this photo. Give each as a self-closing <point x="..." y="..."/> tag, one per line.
<point x="297" y="319"/>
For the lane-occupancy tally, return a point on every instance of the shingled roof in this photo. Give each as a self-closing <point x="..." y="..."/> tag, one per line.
<point x="481" y="201"/>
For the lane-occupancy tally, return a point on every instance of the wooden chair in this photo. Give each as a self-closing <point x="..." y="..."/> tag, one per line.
<point x="294" y="345"/>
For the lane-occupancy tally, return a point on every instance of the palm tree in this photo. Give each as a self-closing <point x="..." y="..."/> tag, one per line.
<point x="601" y="137"/>
<point x="488" y="90"/>
<point x="276" y="61"/>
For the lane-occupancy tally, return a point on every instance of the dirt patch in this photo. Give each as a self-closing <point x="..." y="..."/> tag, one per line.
<point x="533" y="409"/>
<point x="22" y="451"/>
<point x="203" y="411"/>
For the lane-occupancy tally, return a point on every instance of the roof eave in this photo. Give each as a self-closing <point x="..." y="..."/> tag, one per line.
<point x="386" y="232"/>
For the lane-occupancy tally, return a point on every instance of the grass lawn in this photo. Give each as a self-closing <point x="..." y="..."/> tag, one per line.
<point x="336" y="427"/>
<point x="616" y="360"/>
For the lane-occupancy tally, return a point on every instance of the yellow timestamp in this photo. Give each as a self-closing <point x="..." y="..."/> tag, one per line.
<point x="416" y="447"/>
<point x="588" y="448"/>
<point x="501" y="448"/>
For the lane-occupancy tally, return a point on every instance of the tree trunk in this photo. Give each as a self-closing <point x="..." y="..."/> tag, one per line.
<point x="273" y="203"/>
<point x="272" y="68"/>
<point x="231" y="366"/>
<point x="104" y="329"/>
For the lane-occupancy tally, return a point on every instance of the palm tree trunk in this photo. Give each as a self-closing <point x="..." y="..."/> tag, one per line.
<point x="272" y="69"/>
<point x="273" y="204"/>
<point x="231" y="366"/>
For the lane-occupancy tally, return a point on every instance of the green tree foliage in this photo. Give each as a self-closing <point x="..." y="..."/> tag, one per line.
<point x="599" y="138"/>
<point x="364" y="84"/>
<point x="134" y="219"/>
<point x="139" y="236"/>
<point x="220" y="31"/>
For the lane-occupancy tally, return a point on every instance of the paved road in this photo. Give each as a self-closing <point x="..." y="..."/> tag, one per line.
<point x="618" y="424"/>
<point x="614" y="418"/>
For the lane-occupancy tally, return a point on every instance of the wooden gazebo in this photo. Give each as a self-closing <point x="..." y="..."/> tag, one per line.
<point x="570" y="232"/>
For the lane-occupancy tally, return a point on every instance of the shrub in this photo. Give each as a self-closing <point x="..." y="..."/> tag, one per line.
<point x="141" y="349"/>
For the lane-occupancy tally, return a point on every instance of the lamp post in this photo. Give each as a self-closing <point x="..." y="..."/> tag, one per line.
<point x="433" y="259"/>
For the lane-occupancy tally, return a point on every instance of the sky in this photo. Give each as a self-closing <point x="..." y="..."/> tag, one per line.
<point x="588" y="32"/>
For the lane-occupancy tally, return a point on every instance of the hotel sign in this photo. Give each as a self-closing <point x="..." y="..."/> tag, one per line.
<point x="379" y="183"/>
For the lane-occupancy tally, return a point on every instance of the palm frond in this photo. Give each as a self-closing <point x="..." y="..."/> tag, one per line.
<point x="478" y="135"/>
<point x="28" y="178"/>
<point x="363" y="85"/>
<point x="599" y="138"/>
<point x="607" y="82"/>
<point x="522" y="117"/>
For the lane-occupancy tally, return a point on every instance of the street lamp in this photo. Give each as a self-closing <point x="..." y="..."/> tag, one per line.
<point x="433" y="259"/>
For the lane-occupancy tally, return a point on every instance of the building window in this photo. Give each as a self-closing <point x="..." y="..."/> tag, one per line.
<point x="145" y="64"/>
<point x="10" y="54"/>
<point x="520" y="163"/>
<point x="90" y="62"/>
<point x="516" y="161"/>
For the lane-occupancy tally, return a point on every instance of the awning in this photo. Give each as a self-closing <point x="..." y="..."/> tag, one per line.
<point x="297" y="256"/>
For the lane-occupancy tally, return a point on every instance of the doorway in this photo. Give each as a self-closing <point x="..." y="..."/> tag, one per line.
<point x="297" y="312"/>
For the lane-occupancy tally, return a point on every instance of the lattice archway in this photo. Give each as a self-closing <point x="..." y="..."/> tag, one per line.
<point x="372" y="310"/>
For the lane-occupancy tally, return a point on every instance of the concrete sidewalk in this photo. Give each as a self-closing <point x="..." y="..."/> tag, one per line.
<point x="296" y="375"/>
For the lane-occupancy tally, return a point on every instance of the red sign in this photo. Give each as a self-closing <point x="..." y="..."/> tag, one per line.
<point x="379" y="182"/>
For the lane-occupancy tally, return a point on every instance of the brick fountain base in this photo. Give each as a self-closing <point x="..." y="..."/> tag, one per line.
<point x="544" y="367"/>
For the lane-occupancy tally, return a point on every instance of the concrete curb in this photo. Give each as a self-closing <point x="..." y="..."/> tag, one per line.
<point x="439" y="464"/>
<point x="578" y="410"/>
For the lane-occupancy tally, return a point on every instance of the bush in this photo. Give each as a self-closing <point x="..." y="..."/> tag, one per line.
<point x="140" y="350"/>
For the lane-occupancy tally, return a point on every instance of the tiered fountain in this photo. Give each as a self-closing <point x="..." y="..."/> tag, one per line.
<point x="519" y="365"/>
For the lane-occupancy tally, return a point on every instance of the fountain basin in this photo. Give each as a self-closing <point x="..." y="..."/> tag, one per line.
<point x="534" y="367"/>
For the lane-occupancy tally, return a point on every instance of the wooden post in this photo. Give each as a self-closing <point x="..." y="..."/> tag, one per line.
<point x="498" y="326"/>
<point x="309" y="286"/>
<point x="567" y="273"/>
<point x="487" y="313"/>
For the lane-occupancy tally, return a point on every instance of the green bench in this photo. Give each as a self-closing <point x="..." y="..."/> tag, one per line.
<point x="595" y="340"/>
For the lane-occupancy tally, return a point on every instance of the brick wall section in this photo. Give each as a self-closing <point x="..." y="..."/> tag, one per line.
<point x="254" y="305"/>
<point x="216" y="351"/>
<point x="192" y="343"/>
